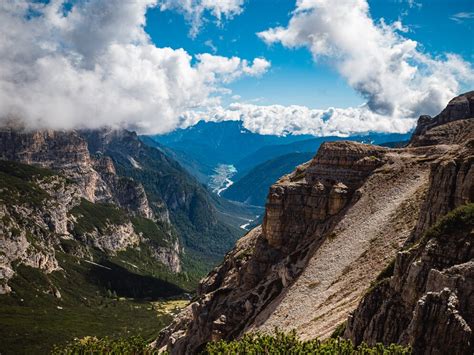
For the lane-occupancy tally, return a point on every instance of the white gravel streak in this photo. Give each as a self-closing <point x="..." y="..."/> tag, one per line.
<point x="365" y="241"/>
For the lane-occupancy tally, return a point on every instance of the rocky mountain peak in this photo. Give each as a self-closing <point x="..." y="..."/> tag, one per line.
<point x="457" y="121"/>
<point x="330" y="228"/>
<point x="344" y="162"/>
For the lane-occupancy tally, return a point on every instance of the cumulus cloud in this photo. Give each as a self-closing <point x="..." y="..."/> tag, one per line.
<point x="389" y="70"/>
<point x="194" y="10"/>
<point x="225" y="69"/>
<point x="93" y="65"/>
<point x="282" y="120"/>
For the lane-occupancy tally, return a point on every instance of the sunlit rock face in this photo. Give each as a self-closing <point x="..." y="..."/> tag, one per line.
<point x="330" y="228"/>
<point x="31" y="233"/>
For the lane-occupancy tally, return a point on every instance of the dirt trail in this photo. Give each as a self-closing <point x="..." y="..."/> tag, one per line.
<point x="363" y="243"/>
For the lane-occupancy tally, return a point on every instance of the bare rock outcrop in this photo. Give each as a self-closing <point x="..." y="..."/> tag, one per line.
<point x="32" y="228"/>
<point x="69" y="153"/>
<point x="455" y="124"/>
<point x="64" y="151"/>
<point x="451" y="185"/>
<point x="428" y="301"/>
<point x="29" y="232"/>
<point x="331" y="227"/>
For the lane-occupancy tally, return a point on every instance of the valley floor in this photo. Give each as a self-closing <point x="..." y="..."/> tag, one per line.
<point x="35" y="316"/>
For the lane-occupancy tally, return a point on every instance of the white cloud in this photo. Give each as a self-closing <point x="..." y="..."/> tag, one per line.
<point x="195" y="10"/>
<point x="281" y="120"/>
<point x="211" y="45"/>
<point x="412" y="3"/>
<point x="95" y="66"/>
<point x="462" y="17"/>
<point x="227" y="69"/>
<point x="397" y="79"/>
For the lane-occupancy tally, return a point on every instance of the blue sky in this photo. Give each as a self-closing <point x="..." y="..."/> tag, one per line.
<point x="320" y="67"/>
<point x="294" y="77"/>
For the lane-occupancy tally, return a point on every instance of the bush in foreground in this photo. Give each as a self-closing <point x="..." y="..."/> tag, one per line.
<point x="105" y="346"/>
<point x="250" y="344"/>
<point x="284" y="344"/>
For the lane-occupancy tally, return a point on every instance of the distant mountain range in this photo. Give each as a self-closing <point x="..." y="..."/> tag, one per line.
<point x="202" y="147"/>
<point x="253" y="187"/>
<point x="259" y="159"/>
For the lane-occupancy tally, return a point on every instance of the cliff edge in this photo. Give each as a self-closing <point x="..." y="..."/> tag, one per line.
<point x="330" y="228"/>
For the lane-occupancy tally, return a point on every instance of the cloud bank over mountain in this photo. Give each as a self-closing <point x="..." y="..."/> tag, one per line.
<point x="398" y="80"/>
<point x="93" y="65"/>
<point x="282" y="120"/>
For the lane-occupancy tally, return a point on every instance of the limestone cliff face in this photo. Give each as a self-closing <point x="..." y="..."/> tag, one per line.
<point x="303" y="210"/>
<point x="58" y="150"/>
<point x="28" y="232"/>
<point x="455" y="124"/>
<point x="31" y="232"/>
<point x="125" y="192"/>
<point x="451" y="185"/>
<point x="427" y="302"/>
<point x="68" y="152"/>
<point x="329" y="229"/>
<point x="300" y="205"/>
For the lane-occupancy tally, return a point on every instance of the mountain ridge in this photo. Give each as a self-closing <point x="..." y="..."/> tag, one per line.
<point x="330" y="228"/>
<point x="200" y="148"/>
<point x="119" y="218"/>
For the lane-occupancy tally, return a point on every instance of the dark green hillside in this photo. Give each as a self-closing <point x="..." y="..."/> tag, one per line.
<point x="94" y="293"/>
<point x="253" y="187"/>
<point x="200" y="170"/>
<point x="205" y="237"/>
<point x="32" y="319"/>
<point x="17" y="183"/>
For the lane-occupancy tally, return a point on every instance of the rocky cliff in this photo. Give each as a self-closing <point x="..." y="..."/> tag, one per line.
<point x="68" y="152"/>
<point x="427" y="302"/>
<point x="67" y="191"/>
<point x="329" y="230"/>
<point x="426" y="299"/>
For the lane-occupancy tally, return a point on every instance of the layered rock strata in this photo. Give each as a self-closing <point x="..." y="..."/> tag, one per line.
<point x="31" y="232"/>
<point x="330" y="228"/>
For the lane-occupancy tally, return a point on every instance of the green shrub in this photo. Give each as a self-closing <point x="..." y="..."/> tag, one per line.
<point x="93" y="346"/>
<point x="339" y="331"/>
<point x="282" y="343"/>
<point x="387" y="271"/>
<point x="24" y="171"/>
<point x="92" y="216"/>
<point x="461" y="218"/>
<point x="151" y="231"/>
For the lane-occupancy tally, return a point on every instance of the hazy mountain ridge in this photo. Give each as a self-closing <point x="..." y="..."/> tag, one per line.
<point x="330" y="228"/>
<point x="207" y="145"/>
<point x="310" y="145"/>
<point x="224" y="142"/>
<point x="253" y="187"/>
